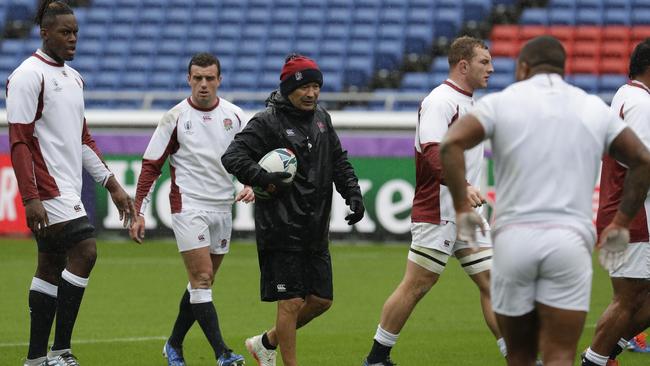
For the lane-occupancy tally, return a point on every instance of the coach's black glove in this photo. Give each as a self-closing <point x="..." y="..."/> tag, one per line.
<point x="271" y="182"/>
<point x="356" y="206"/>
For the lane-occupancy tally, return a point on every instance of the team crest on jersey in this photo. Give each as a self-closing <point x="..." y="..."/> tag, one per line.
<point x="321" y="126"/>
<point x="188" y="127"/>
<point x="207" y="118"/>
<point x="299" y="75"/>
<point x="57" y="87"/>
<point x="227" y="124"/>
<point x="290" y="132"/>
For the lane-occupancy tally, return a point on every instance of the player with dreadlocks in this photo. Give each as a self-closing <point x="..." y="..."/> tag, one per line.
<point x="50" y="145"/>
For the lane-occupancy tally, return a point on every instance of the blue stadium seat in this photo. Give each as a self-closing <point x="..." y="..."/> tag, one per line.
<point x="561" y="4"/>
<point x="307" y="47"/>
<point x="273" y="63"/>
<point x="13" y="47"/>
<point x="249" y="65"/>
<point x="368" y="3"/>
<point x="503" y="65"/>
<point x="333" y="48"/>
<point x="331" y="63"/>
<point x="418" y="38"/>
<point x="116" y="48"/>
<point x="120" y="32"/>
<point x="391" y="32"/>
<point x="174" y="32"/>
<point x="338" y="16"/>
<point x="225" y="47"/>
<point x="171" y="47"/>
<point x="447" y="4"/>
<point x="415" y="82"/>
<point x="358" y="70"/>
<point x="336" y="32"/>
<point x="617" y="4"/>
<point x="440" y="64"/>
<point x="314" y="16"/>
<point x="269" y="81"/>
<point x="112" y="63"/>
<point x="611" y="82"/>
<point x="389" y="54"/>
<point x="143" y="48"/>
<point x="147" y="32"/>
<point x="92" y="31"/>
<point x="178" y="15"/>
<point x="106" y="80"/>
<point x="361" y="47"/>
<point x="641" y="16"/>
<point x="152" y="16"/>
<point x="231" y="14"/>
<point x="139" y="63"/>
<point x="476" y="9"/>
<point x="589" y="16"/>
<point x="169" y="64"/>
<point x="99" y="15"/>
<point x="534" y="16"/>
<point x="251" y="48"/>
<point x="80" y="14"/>
<point x="200" y="32"/>
<point x="279" y="47"/>
<point x="333" y="81"/>
<point x="90" y="49"/>
<point x="244" y="81"/>
<point x="561" y="16"/>
<point x="134" y="81"/>
<point x="284" y="15"/>
<point x="227" y="31"/>
<point x="617" y="16"/>
<point x="282" y="32"/>
<point x="392" y="16"/>
<point x="122" y="15"/>
<point x="364" y="32"/>
<point x="205" y="16"/>
<point x="447" y="22"/>
<point x="499" y="82"/>
<point x="419" y="16"/>
<point x="309" y="31"/>
<point x="586" y="82"/>
<point x="437" y="78"/>
<point x="254" y="32"/>
<point x="365" y="16"/>
<point x="257" y="16"/>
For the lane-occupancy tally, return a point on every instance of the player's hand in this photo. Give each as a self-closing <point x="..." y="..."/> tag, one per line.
<point x="122" y="201"/>
<point x="136" y="231"/>
<point x="358" y="209"/>
<point x="613" y="246"/>
<point x="36" y="215"/>
<point x="475" y="197"/>
<point x="466" y="223"/>
<point x="272" y="182"/>
<point x="246" y="195"/>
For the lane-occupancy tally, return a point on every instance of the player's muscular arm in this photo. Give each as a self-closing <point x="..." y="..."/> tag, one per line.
<point x="629" y="150"/>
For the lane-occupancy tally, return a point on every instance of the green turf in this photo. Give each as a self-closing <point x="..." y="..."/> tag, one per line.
<point x="132" y="298"/>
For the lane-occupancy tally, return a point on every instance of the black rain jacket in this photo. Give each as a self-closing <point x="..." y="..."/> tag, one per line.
<point x="296" y="218"/>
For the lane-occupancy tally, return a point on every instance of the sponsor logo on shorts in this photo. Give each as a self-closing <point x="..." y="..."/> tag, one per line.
<point x="282" y="287"/>
<point x="77" y="207"/>
<point x="224" y="242"/>
<point x="201" y="237"/>
<point x="447" y="243"/>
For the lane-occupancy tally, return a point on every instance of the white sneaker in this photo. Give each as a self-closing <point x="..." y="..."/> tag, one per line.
<point x="263" y="356"/>
<point x="66" y="359"/>
<point x="41" y="361"/>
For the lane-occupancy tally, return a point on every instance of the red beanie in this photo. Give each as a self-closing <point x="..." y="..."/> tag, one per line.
<point x="299" y="70"/>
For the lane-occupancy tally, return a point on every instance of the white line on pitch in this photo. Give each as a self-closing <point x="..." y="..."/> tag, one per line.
<point x="92" y="341"/>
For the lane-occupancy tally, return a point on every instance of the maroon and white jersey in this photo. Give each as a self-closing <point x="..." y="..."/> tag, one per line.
<point x="50" y="143"/>
<point x="439" y="110"/>
<point x="194" y="139"/>
<point x="632" y="104"/>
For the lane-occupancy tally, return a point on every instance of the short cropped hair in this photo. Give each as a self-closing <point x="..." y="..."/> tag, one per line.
<point x="463" y="49"/>
<point x="640" y="59"/>
<point x="204" y="59"/>
<point x="543" y="50"/>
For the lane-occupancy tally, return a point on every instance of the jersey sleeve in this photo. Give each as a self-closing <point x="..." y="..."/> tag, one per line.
<point x="242" y="118"/>
<point x="638" y="118"/>
<point x="163" y="143"/>
<point x="434" y="120"/>
<point x="24" y="107"/>
<point x="92" y="159"/>
<point x="614" y="127"/>
<point x="486" y="112"/>
<point x="24" y="96"/>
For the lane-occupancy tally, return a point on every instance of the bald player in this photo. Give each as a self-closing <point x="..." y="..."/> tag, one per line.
<point x="629" y="311"/>
<point x="547" y="139"/>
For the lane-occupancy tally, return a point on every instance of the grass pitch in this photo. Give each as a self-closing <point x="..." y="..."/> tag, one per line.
<point x="132" y="299"/>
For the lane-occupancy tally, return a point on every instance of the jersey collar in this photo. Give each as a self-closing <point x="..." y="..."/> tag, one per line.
<point x="39" y="54"/>
<point x="638" y="84"/>
<point x="457" y="88"/>
<point x="216" y="104"/>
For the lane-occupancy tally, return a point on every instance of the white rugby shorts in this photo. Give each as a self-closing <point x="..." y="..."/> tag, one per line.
<point x="66" y="207"/>
<point x="197" y="229"/>
<point x="543" y="264"/>
<point x="637" y="264"/>
<point x="443" y="237"/>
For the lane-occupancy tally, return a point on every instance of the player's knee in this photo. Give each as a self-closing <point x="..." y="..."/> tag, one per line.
<point x="290" y="306"/>
<point x="419" y="286"/>
<point x="321" y="305"/>
<point x="202" y="279"/>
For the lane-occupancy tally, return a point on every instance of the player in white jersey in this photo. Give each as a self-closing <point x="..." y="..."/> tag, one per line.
<point x="629" y="312"/>
<point x="547" y="140"/>
<point x="193" y="135"/>
<point x="433" y="227"/>
<point x="50" y="146"/>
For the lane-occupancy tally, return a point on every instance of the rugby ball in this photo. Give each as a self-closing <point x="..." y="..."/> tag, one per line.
<point x="278" y="160"/>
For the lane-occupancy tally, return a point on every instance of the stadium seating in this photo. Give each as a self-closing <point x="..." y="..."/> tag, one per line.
<point x="145" y="44"/>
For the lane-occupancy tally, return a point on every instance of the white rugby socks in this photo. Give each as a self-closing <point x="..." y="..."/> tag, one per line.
<point x="385" y="338"/>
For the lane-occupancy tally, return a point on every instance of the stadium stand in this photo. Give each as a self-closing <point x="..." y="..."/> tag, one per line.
<point x="361" y="45"/>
